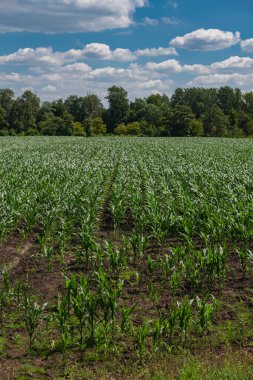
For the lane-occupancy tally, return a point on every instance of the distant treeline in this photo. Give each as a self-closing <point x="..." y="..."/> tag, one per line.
<point x="188" y="112"/>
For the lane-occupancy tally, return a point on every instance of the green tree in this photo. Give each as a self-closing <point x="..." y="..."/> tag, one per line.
<point x="249" y="128"/>
<point x="50" y="126"/>
<point x="3" y="121"/>
<point x="226" y="99"/>
<point x="98" y="127"/>
<point x="137" y="110"/>
<point x="134" y="128"/>
<point x="58" y="108"/>
<point x="216" y="123"/>
<point x="24" y="112"/>
<point x="147" y="129"/>
<point x="182" y="119"/>
<point x="197" y="128"/>
<point x="121" y="129"/>
<point x="65" y="128"/>
<point x="6" y="101"/>
<point x="78" y="129"/>
<point x="91" y="107"/>
<point x="74" y="106"/>
<point x="178" y="98"/>
<point x="248" y="103"/>
<point x="118" y="107"/>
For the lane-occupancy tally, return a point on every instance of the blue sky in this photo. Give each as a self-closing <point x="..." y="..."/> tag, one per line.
<point x="63" y="47"/>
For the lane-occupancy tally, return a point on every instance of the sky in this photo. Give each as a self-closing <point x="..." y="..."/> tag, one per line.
<point x="61" y="47"/>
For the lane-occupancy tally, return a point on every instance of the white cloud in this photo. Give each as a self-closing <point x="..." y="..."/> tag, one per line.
<point x="12" y="77"/>
<point x="43" y="55"/>
<point x="77" y="67"/>
<point x="173" y="4"/>
<point x="155" y="52"/>
<point x="102" y="51"/>
<point x="150" y="21"/>
<point x="234" y="63"/>
<point x="49" y="88"/>
<point x="46" y="56"/>
<point x="174" y="66"/>
<point x="247" y="45"/>
<point x="57" y="16"/>
<point x="233" y="79"/>
<point x="206" y="40"/>
<point x="171" y="65"/>
<point x="171" y="21"/>
<point x="58" y="74"/>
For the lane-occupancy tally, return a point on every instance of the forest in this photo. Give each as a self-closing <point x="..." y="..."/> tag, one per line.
<point x="222" y="112"/>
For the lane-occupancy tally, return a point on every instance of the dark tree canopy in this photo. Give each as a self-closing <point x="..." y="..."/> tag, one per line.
<point x="188" y="112"/>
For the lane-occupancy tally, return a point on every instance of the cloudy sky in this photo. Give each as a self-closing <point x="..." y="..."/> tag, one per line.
<point x="63" y="47"/>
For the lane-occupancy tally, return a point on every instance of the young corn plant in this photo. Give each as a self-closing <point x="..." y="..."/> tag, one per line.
<point x="32" y="315"/>
<point x="160" y="329"/>
<point x="138" y="244"/>
<point x="126" y="314"/>
<point x="151" y="265"/>
<point x="205" y="310"/>
<point x="62" y="318"/>
<point x="215" y="263"/>
<point x="91" y="303"/>
<point x="142" y="337"/>
<point x="79" y="302"/>
<point x="243" y="255"/>
<point x="166" y="265"/>
<point x="184" y="315"/>
<point x="117" y="257"/>
<point x="85" y="255"/>
<point x="174" y="282"/>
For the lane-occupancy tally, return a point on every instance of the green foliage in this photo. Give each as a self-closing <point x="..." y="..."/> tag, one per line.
<point x="97" y="127"/>
<point x="78" y="129"/>
<point x="182" y="120"/>
<point x="223" y="112"/>
<point x="32" y="315"/>
<point x="121" y="129"/>
<point x="197" y="128"/>
<point x="118" y="107"/>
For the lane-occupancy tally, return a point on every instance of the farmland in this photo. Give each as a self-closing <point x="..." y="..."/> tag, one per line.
<point x="126" y="258"/>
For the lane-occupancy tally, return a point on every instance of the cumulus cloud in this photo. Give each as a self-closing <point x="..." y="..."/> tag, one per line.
<point x="150" y="21"/>
<point x="57" y="16"/>
<point x="55" y="74"/>
<point x="98" y="51"/>
<point x="234" y="79"/>
<point x="234" y="62"/>
<point x="155" y="52"/>
<point x="206" y="40"/>
<point x="174" y="66"/>
<point x="247" y="45"/>
<point x="171" y="21"/>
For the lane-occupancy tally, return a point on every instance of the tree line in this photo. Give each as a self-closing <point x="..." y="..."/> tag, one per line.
<point x="188" y="112"/>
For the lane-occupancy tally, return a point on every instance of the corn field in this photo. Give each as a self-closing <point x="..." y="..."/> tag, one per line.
<point x="123" y="247"/>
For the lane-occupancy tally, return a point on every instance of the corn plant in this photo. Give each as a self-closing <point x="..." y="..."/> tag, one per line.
<point x="117" y="257"/>
<point x="243" y="255"/>
<point x="184" y="315"/>
<point x="151" y="265"/>
<point x="62" y="318"/>
<point x="32" y="315"/>
<point x="142" y="337"/>
<point x="205" y="310"/>
<point x="79" y="302"/>
<point x="126" y="314"/>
